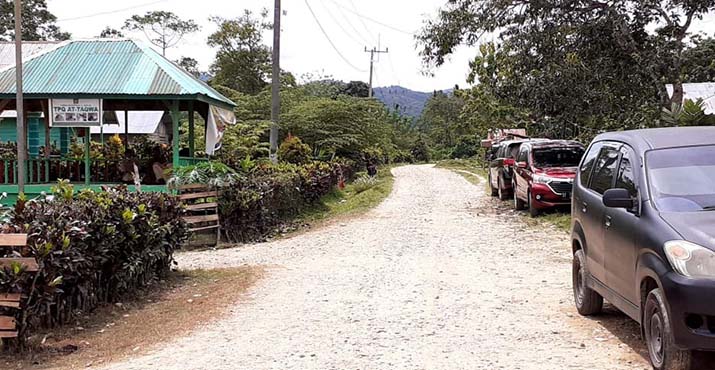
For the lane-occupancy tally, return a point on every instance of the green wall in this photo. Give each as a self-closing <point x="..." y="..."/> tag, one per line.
<point x="59" y="137"/>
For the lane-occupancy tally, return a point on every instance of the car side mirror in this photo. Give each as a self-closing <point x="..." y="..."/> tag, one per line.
<point x="618" y="198"/>
<point x="508" y="162"/>
<point x="521" y="164"/>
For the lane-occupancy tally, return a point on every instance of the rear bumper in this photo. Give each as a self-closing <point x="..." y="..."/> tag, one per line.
<point x="690" y="300"/>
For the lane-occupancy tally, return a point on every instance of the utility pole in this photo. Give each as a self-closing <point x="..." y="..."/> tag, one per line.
<point x="372" y="52"/>
<point x="276" y="81"/>
<point x="19" y="103"/>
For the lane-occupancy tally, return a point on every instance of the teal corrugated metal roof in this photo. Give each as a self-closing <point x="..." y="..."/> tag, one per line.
<point x="105" y="67"/>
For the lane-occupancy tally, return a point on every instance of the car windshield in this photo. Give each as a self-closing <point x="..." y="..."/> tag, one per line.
<point x="558" y="157"/>
<point x="682" y="179"/>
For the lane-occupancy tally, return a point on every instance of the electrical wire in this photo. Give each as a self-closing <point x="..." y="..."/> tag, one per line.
<point x="349" y="34"/>
<point x="373" y="20"/>
<point x="110" y="11"/>
<point x="331" y="41"/>
<point x="369" y="33"/>
<point x="347" y="20"/>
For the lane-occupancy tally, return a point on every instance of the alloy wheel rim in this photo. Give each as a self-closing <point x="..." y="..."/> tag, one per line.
<point x="579" y="283"/>
<point x="655" y="342"/>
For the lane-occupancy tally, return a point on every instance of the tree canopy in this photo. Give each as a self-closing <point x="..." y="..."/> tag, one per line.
<point x="38" y="24"/>
<point x="574" y="68"/>
<point x="163" y="29"/>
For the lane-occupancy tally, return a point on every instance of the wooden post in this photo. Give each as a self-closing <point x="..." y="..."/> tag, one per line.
<point x="126" y="130"/>
<point x="19" y="102"/>
<point x="87" y="147"/>
<point x="191" y="129"/>
<point x="175" y="134"/>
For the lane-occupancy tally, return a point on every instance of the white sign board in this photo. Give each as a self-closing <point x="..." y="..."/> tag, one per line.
<point x="75" y="112"/>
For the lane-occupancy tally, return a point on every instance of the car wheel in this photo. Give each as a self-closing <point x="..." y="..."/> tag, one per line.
<point x="518" y="203"/>
<point x="533" y="211"/>
<point x="502" y="193"/>
<point x="659" y="336"/>
<point x="588" y="301"/>
<point x="493" y="190"/>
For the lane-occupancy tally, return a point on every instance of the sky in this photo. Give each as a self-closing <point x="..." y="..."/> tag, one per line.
<point x="337" y="51"/>
<point x="351" y="25"/>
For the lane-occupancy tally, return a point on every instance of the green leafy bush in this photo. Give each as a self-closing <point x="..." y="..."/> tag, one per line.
<point x="213" y="174"/>
<point x="258" y="203"/>
<point x="363" y="183"/>
<point x="292" y="150"/>
<point x="91" y="247"/>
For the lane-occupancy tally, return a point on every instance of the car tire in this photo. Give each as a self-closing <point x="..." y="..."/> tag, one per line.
<point x="518" y="203"/>
<point x="503" y="195"/>
<point x="494" y="191"/>
<point x="533" y="211"/>
<point x="663" y="353"/>
<point x="588" y="301"/>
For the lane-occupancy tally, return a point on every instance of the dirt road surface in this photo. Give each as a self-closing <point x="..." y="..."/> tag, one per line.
<point x="438" y="276"/>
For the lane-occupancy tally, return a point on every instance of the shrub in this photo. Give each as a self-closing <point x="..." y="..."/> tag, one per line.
<point x="213" y="174"/>
<point x="260" y="202"/>
<point x="292" y="150"/>
<point x="420" y="151"/>
<point x="467" y="147"/>
<point x="363" y="183"/>
<point x="91" y="247"/>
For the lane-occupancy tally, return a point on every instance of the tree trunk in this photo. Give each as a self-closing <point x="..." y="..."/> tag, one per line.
<point x="678" y="93"/>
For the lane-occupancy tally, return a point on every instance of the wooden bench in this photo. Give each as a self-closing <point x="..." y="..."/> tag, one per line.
<point x="201" y="204"/>
<point x="8" y="326"/>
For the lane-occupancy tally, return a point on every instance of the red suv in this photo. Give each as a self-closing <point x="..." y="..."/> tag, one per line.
<point x="544" y="173"/>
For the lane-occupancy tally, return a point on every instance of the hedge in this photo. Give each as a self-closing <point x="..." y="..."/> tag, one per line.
<point x="259" y="202"/>
<point x="92" y="247"/>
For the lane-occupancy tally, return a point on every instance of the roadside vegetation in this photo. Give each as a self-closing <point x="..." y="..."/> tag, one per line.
<point x="356" y="198"/>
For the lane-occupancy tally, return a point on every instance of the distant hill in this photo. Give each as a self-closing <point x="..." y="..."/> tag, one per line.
<point x="408" y="102"/>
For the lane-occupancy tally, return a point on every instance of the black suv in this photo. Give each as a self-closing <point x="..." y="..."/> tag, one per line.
<point x="643" y="236"/>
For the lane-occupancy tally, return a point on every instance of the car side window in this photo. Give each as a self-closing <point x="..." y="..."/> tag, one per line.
<point x="523" y="155"/>
<point x="588" y="161"/>
<point x="605" y="169"/>
<point x="626" y="178"/>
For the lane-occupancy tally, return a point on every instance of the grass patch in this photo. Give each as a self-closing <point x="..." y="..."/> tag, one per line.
<point x="156" y="315"/>
<point x="354" y="200"/>
<point x="459" y="166"/>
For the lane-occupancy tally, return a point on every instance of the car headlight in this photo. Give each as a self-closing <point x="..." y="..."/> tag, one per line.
<point x="690" y="259"/>
<point x="540" y="179"/>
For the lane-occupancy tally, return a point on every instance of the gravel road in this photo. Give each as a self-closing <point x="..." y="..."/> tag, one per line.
<point x="439" y="276"/>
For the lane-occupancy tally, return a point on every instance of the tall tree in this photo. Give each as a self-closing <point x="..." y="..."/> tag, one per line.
<point x="190" y="65"/>
<point x="243" y="62"/>
<point x="110" y="33"/>
<point x="163" y="29"/>
<point x="649" y="35"/>
<point x="38" y="24"/>
<point x="699" y="61"/>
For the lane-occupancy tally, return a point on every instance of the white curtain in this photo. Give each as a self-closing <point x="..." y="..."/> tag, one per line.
<point x="219" y="118"/>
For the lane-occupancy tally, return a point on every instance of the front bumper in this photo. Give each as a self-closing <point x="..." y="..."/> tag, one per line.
<point x="691" y="301"/>
<point x="544" y="197"/>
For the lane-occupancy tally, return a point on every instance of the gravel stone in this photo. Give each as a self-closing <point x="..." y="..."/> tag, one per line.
<point x="439" y="276"/>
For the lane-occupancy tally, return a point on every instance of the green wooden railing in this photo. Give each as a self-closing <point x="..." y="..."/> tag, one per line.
<point x="49" y="170"/>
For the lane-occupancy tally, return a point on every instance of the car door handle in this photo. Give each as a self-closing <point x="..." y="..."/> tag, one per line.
<point x="584" y="209"/>
<point x="608" y="221"/>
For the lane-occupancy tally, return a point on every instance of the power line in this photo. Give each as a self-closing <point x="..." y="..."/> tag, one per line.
<point x="372" y="37"/>
<point x="110" y="11"/>
<point x="372" y="20"/>
<point x="331" y="41"/>
<point x="347" y="20"/>
<point x="330" y="14"/>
